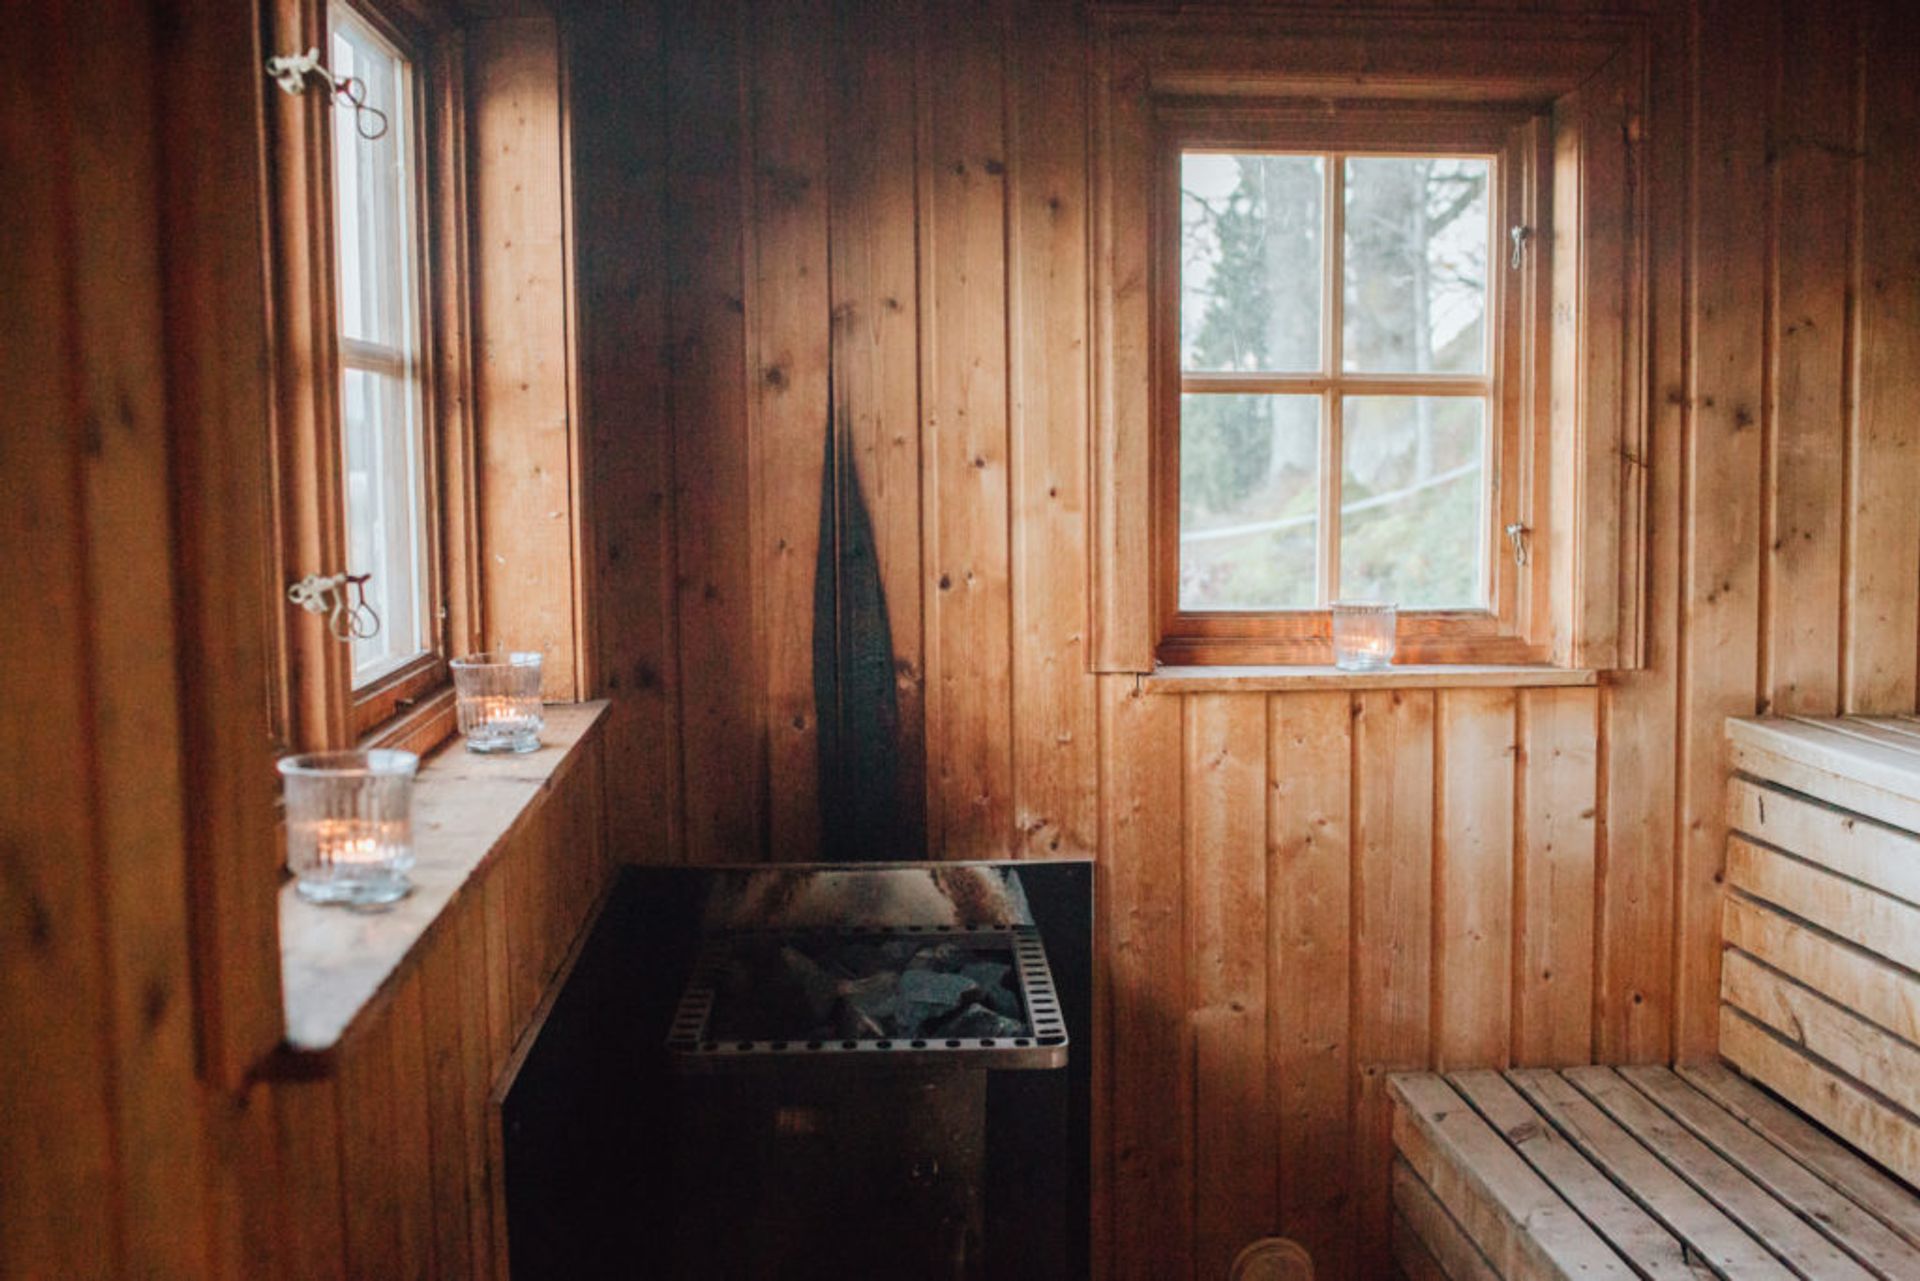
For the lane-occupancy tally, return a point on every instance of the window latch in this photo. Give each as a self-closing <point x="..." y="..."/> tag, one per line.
<point x="1517" y="535"/>
<point x="1520" y="236"/>
<point x="327" y="594"/>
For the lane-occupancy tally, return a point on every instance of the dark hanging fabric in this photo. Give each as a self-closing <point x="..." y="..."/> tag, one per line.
<point x="855" y="702"/>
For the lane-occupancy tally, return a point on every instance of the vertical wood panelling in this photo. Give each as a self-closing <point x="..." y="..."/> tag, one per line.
<point x="312" y="1185"/>
<point x="721" y="761"/>
<point x="1227" y="931"/>
<point x="1150" y="1091"/>
<point x="616" y="62"/>
<point x="1309" y="835"/>
<point x="1054" y="766"/>
<point x="1473" y="878"/>
<point x="963" y="327"/>
<point x="787" y="82"/>
<point x="1719" y="601"/>
<point x="876" y="349"/>
<point x="523" y="375"/>
<point x="1811" y="214"/>
<point x="1392" y="953"/>
<point x="1553" y="879"/>
<point x="1883" y="587"/>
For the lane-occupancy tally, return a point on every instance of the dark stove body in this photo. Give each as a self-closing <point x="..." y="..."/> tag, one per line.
<point x="833" y="1125"/>
<point x="624" y="1159"/>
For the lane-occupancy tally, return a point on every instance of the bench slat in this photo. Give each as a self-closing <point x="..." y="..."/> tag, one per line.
<point x="1451" y="1251"/>
<point x="1774" y="1225"/>
<point x="1525" y="1229"/>
<point x="1878" y="922"/>
<point x="1656" y="1252"/>
<point x="1675" y="1202"/>
<point x="1884" y="857"/>
<point x="1871" y="987"/>
<point x="1845" y="1041"/>
<point x="1828" y="1210"/>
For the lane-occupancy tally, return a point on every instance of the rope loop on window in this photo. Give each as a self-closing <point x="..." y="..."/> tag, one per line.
<point x="294" y="71"/>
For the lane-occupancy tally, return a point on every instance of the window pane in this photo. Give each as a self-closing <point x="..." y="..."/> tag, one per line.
<point x="1412" y="506"/>
<point x="385" y="534"/>
<point x="1250" y="262"/>
<point x="372" y="190"/>
<point x="1249" y="501"/>
<point x="383" y="440"/>
<point x="1415" y="265"/>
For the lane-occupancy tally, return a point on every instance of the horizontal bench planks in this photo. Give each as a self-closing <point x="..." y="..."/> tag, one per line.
<point x="1525" y="1229"/>
<point x="1887" y="1134"/>
<point x="1828" y="1210"/>
<point x="1433" y="1242"/>
<point x="1850" y="976"/>
<point x="1842" y="1039"/>
<point x="1875" y="921"/>
<point x="1872" y="853"/>
<point x="1856" y="763"/>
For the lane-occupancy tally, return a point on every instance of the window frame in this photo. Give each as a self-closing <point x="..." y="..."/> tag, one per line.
<point x="314" y="702"/>
<point x="1512" y="628"/>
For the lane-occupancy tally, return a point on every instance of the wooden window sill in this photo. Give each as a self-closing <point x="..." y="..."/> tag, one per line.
<point x="335" y="964"/>
<point x="1250" y="680"/>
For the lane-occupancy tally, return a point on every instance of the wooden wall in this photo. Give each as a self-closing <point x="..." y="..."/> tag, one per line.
<point x="137" y="843"/>
<point x="820" y="211"/>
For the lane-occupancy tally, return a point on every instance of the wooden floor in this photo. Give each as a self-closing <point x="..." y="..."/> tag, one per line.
<point x="1635" y="1171"/>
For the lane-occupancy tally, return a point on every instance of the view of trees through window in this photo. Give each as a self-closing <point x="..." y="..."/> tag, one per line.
<point x="1389" y="385"/>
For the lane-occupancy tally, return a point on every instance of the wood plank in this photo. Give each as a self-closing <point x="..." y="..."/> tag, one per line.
<point x="523" y="371"/>
<point x="617" y="104"/>
<point x="1822" y="760"/>
<point x="707" y="300"/>
<point x="1775" y="1225"/>
<point x="1720" y="574"/>
<point x="1857" y="848"/>
<point x="1474" y="761"/>
<point x="411" y="1139"/>
<point x="1639" y="710"/>
<point x="1846" y="1042"/>
<point x="1554" y="851"/>
<point x="444" y="1071"/>
<point x="1889" y="1135"/>
<point x="1309" y="1051"/>
<point x="965" y="457"/>
<point x="1811" y="213"/>
<point x="1860" y="915"/>
<point x="787" y="72"/>
<point x="1850" y="976"/>
<point x="1842" y="1167"/>
<point x="1227" y="941"/>
<point x="1622" y="1222"/>
<point x="1864" y="1237"/>
<point x="1151" y="1085"/>
<point x="1882" y="632"/>
<point x="369" y="1163"/>
<point x="1676" y="1203"/>
<point x="312" y="1183"/>
<point x="876" y="359"/>
<point x="1412" y="1258"/>
<point x="1520" y="1223"/>
<point x="478" y="1065"/>
<point x="1055" y="776"/>
<point x="1392" y="958"/>
<point x="1420" y="1219"/>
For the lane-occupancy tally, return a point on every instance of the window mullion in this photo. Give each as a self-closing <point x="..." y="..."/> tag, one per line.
<point x="1335" y="313"/>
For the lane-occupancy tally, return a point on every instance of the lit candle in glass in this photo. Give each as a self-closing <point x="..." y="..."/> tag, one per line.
<point x="350" y="825"/>
<point x="497" y="698"/>
<point x="1363" y="635"/>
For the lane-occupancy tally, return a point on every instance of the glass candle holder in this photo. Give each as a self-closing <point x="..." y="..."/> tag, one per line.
<point x="350" y="825"/>
<point x="1363" y="635"/>
<point x="498" y="699"/>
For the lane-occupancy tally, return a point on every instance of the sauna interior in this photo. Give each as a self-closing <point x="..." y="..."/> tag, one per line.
<point x="925" y="441"/>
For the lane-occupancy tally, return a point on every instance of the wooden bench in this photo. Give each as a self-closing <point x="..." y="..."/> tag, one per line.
<point x="1698" y="1171"/>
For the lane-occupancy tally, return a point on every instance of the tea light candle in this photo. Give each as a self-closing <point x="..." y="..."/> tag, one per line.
<point x="350" y="825"/>
<point x="497" y="699"/>
<point x="1363" y="635"/>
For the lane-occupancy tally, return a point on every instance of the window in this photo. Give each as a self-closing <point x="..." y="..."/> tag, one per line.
<point x="1322" y="366"/>
<point x="1339" y="333"/>
<point x="383" y="428"/>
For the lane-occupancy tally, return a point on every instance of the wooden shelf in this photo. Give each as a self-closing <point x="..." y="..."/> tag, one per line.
<point x="1249" y="680"/>
<point x="337" y="964"/>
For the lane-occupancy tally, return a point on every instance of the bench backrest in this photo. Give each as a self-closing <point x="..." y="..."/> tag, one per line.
<point x="1820" y="986"/>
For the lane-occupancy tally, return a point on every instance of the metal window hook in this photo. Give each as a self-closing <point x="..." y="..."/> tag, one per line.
<point x="347" y="619"/>
<point x="293" y="71"/>
<point x="1520" y="236"/>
